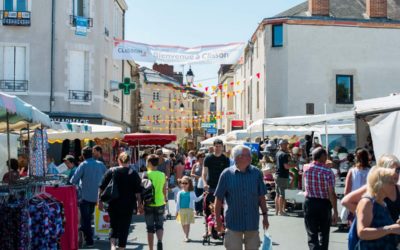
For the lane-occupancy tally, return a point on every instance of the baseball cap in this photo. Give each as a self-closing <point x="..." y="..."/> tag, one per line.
<point x="284" y="141"/>
<point x="70" y="158"/>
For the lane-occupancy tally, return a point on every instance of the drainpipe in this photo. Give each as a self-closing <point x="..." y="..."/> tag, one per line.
<point x="53" y="3"/>
<point x="123" y="68"/>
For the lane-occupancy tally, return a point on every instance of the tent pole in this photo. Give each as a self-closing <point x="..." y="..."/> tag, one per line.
<point x="263" y="131"/>
<point x="326" y="132"/>
<point x="8" y="141"/>
<point x="29" y="152"/>
<point x="44" y="152"/>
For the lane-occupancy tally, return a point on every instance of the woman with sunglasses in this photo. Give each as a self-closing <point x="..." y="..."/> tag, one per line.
<point x="185" y="205"/>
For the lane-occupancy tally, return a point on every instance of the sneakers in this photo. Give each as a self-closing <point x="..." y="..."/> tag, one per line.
<point x="159" y="245"/>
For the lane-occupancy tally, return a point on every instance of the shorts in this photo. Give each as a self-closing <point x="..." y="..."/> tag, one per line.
<point x="234" y="240"/>
<point x="154" y="217"/>
<point x="281" y="185"/>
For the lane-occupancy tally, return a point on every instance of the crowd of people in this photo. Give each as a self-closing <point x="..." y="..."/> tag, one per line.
<point x="204" y="183"/>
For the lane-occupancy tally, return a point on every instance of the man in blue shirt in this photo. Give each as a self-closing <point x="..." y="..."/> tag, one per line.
<point x="243" y="189"/>
<point x="90" y="173"/>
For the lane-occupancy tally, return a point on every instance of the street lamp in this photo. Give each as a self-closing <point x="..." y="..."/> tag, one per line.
<point x="189" y="76"/>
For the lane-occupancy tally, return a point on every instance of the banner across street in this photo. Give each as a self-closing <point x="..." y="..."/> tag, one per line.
<point x="206" y="54"/>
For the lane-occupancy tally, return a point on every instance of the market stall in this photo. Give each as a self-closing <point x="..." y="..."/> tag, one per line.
<point x="16" y="115"/>
<point x="137" y="141"/>
<point x="69" y="138"/>
<point x="27" y="229"/>
<point x="377" y="124"/>
<point x="315" y="125"/>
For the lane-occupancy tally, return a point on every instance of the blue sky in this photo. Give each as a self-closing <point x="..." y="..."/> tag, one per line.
<point x="198" y="22"/>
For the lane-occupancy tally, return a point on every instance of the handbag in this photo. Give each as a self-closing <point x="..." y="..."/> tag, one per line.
<point x="267" y="242"/>
<point x="110" y="193"/>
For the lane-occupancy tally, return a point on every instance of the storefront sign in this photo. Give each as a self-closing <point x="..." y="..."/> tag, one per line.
<point x="102" y="224"/>
<point x="208" y="125"/>
<point x="69" y="120"/>
<point x="208" y="54"/>
<point x="237" y="124"/>
<point x="81" y="26"/>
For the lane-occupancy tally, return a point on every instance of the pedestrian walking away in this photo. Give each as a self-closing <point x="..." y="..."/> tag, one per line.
<point x="186" y="199"/>
<point x="120" y="210"/>
<point x="243" y="189"/>
<point x="89" y="173"/>
<point x="319" y="183"/>
<point x="154" y="212"/>
<point x="214" y="164"/>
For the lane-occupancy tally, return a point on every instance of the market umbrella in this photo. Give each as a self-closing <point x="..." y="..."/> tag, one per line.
<point x="148" y="139"/>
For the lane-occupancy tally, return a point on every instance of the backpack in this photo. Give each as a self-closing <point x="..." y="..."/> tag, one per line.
<point x="148" y="192"/>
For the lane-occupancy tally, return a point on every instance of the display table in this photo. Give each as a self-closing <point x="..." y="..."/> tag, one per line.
<point x="67" y="195"/>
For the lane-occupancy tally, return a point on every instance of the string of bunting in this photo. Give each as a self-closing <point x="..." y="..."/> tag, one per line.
<point x="215" y="90"/>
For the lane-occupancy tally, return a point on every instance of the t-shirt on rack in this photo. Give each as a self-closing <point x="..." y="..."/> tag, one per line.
<point x="36" y="222"/>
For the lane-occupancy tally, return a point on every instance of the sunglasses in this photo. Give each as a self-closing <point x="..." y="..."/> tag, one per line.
<point x="184" y="183"/>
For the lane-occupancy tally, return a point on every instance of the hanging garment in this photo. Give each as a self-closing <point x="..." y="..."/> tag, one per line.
<point x="38" y="152"/>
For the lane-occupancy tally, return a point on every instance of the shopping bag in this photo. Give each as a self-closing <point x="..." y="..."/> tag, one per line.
<point x="344" y="215"/>
<point x="267" y="243"/>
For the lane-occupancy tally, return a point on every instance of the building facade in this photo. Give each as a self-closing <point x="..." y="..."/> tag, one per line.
<point x="169" y="107"/>
<point x="319" y="53"/>
<point x="57" y="56"/>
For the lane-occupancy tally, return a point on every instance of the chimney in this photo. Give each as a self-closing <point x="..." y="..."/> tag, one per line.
<point x="376" y="8"/>
<point x="318" y="7"/>
<point x="164" y="69"/>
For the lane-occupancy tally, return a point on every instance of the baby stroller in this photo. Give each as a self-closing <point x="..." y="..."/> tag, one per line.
<point x="214" y="234"/>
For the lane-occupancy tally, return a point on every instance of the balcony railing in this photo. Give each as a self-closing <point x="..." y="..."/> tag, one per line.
<point x="116" y="99"/>
<point x="15" y="18"/>
<point x="80" y="95"/>
<point x="14" y="85"/>
<point x="72" y="21"/>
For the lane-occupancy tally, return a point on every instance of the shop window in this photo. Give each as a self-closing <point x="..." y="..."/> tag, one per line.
<point x="344" y="89"/>
<point x="277" y="35"/>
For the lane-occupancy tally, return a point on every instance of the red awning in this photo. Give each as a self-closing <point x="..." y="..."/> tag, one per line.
<point x="148" y="139"/>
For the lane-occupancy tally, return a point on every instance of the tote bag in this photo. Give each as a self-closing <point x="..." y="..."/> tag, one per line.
<point x="111" y="191"/>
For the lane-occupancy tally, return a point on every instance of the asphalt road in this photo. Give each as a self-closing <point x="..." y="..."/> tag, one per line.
<point x="287" y="233"/>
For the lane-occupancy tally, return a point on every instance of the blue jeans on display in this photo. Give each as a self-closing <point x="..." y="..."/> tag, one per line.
<point x="198" y="205"/>
<point x="87" y="210"/>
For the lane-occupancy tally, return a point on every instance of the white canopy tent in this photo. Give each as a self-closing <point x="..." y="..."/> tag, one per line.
<point x="237" y="135"/>
<point x="379" y="117"/>
<point x="210" y="141"/>
<point x="71" y="131"/>
<point x="298" y="125"/>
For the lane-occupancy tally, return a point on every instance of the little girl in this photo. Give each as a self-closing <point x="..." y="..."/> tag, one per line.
<point x="185" y="205"/>
<point x="211" y="221"/>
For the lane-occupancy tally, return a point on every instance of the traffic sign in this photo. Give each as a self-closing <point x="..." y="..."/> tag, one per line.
<point x="208" y="125"/>
<point x="212" y="131"/>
